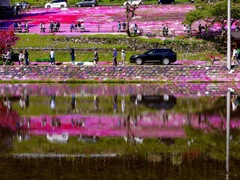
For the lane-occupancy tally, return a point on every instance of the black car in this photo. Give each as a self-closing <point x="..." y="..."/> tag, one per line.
<point x="166" y="1"/>
<point x="164" y="56"/>
<point x="6" y="12"/>
<point x="87" y="3"/>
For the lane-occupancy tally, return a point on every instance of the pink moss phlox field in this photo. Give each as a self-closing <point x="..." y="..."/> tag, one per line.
<point x="104" y="18"/>
<point x="148" y="18"/>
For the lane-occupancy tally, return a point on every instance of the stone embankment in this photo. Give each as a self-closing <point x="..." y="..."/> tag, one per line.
<point x="149" y="73"/>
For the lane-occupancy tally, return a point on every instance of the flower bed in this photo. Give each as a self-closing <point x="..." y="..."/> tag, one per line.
<point x="148" y="17"/>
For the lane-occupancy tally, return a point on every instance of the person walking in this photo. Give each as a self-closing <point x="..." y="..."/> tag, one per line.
<point x="124" y="26"/>
<point x="119" y="26"/>
<point x="237" y="55"/>
<point x="166" y="30"/>
<point x="114" y="57"/>
<point x="73" y="55"/>
<point x="8" y="57"/>
<point x="52" y="57"/>
<point x="163" y="30"/>
<point x="135" y="28"/>
<point x="234" y="55"/>
<point x="96" y="58"/>
<point x="200" y="30"/>
<point x="21" y="58"/>
<point x="26" y="57"/>
<point x="71" y="27"/>
<point x="123" y="57"/>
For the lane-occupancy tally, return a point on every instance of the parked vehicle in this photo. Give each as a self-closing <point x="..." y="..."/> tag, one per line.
<point x="163" y="56"/>
<point x="56" y="4"/>
<point x="133" y="2"/>
<point x="166" y="1"/>
<point x="22" y="5"/>
<point x="87" y="3"/>
<point x="6" y="11"/>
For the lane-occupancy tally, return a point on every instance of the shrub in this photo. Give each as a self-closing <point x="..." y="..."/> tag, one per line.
<point x="8" y="39"/>
<point x="44" y="59"/>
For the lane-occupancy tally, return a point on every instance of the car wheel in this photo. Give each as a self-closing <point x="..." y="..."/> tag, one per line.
<point x="79" y="5"/>
<point x="48" y="6"/>
<point x="139" y="61"/>
<point x="93" y="5"/>
<point x="165" y="61"/>
<point x="62" y="6"/>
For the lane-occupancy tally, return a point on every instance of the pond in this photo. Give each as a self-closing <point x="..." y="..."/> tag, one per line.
<point x="117" y="131"/>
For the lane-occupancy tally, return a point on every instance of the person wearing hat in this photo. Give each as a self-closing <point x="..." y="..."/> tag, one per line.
<point x="123" y="57"/>
<point x="114" y="56"/>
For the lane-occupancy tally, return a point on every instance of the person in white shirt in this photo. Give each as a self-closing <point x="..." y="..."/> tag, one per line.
<point x="123" y="57"/>
<point x="234" y="55"/>
<point x="52" y="57"/>
<point x="7" y="57"/>
<point x="21" y="57"/>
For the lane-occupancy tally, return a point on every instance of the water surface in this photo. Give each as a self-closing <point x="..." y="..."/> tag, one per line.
<point x="116" y="131"/>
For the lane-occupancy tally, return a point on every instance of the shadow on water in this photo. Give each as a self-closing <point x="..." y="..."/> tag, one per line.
<point x="132" y="131"/>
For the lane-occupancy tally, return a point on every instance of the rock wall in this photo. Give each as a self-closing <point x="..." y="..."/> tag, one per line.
<point x="138" y="44"/>
<point x="170" y="73"/>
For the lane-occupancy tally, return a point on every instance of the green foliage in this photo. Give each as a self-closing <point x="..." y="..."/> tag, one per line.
<point x="42" y="59"/>
<point x="212" y="12"/>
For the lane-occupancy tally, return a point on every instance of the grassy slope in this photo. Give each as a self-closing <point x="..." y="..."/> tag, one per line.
<point x="105" y="51"/>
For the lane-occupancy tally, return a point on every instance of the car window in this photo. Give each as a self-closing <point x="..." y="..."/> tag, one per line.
<point x="160" y="50"/>
<point x="163" y="50"/>
<point x="151" y="52"/>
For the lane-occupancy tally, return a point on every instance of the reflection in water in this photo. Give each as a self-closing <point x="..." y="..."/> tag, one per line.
<point x="114" y="99"/>
<point x="96" y="102"/>
<point x="168" y="128"/>
<point x="73" y="103"/>
<point x="53" y="102"/>
<point x="155" y="102"/>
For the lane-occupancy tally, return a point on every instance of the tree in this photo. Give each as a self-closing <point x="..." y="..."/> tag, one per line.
<point x="213" y="13"/>
<point x="8" y="39"/>
<point x="130" y="12"/>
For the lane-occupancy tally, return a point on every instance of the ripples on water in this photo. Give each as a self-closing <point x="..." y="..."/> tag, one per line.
<point x="121" y="131"/>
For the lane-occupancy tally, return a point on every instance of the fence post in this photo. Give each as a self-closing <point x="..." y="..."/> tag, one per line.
<point x="112" y="28"/>
<point x="98" y="28"/>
